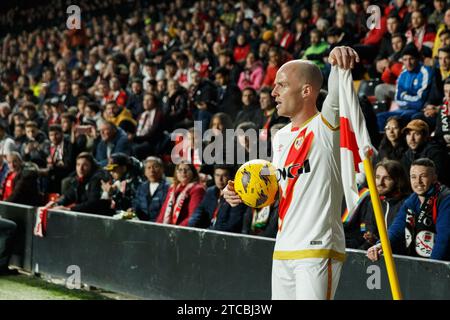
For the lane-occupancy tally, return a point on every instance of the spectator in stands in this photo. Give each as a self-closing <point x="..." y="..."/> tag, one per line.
<point x="55" y="112"/>
<point x="68" y="121"/>
<point x="92" y="113"/>
<point x="184" y="72"/>
<point x="31" y="114"/>
<point x="5" y="113"/>
<point x="241" y="49"/>
<point x="317" y="50"/>
<point x="275" y="61"/>
<point x="390" y="69"/>
<point x="84" y="191"/>
<point x="250" y="106"/>
<point x="7" y="232"/>
<point x="412" y="89"/>
<point x="229" y="95"/>
<point x="420" y="146"/>
<point x="21" y="183"/>
<point x="151" y="194"/>
<point x="420" y="33"/>
<point x="441" y="72"/>
<point x="120" y="190"/>
<point x="437" y="16"/>
<point x="392" y="184"/>
<point x="112" y="140"/>
<point x="261" y="222"/>
<point x="393" y="144"/>
<point x="135" y="99"/>
<point x="253" y="73"/>
<point x="442" y="133"/>
<point x="422" y="225"/>
<point x="226" y="60"/>
<point x="61" y="159"/>
<point x="301" y="36"/>
<point x="386" y="48"/>
<point x="19" y="136"/>
<point x="4" y="169"/>
<point x="284" y="36"/>
<point x="117" y="114"/>
<point x="246" y="142"/>
<point x="150" y="127"/>
<point x="214" y="212"/>
<point x="443" y="26"/>
<point x="175" y="105"/>
<point x="183" y="197"/>
<point x="6" y="143"/>
<point x="116" y="94"/>
<point x="33" y="149"/>
<point x="268" y="115"/>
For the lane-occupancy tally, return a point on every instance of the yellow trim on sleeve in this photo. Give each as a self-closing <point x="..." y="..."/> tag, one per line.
<point x="328" y="124"/>
<point x="311" y="253"/>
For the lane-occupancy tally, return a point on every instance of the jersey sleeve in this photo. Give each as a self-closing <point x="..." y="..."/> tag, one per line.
<point x="330" y="108"/>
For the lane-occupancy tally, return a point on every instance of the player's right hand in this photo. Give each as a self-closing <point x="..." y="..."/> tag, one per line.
<point x="230" y="195"/>
<point x="374" y="252"/>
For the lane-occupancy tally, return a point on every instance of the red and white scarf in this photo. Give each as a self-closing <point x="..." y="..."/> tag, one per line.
<point x="174" y="206"/>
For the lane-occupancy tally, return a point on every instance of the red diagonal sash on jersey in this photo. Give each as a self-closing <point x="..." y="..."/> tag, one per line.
<point x="295" y="156"/>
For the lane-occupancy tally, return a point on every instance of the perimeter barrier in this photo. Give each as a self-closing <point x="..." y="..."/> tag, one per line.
<point x="155" y="261"/>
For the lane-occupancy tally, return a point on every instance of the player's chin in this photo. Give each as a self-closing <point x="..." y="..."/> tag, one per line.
<point x="280" y="110"/>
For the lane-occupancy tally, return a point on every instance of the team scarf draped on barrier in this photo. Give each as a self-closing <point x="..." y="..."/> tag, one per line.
<point x="40" y="226"/>
<point x="355" y="140"/>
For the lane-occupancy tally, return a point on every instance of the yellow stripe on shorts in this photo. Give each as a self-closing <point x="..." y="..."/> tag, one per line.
<point x="311" y="253"/>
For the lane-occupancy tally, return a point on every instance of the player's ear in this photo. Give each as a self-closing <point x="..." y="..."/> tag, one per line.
<point x="306" y="90"/>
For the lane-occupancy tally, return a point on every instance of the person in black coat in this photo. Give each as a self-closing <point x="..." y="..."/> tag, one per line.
<point x="149" y="132"/>
<point x="60" y="160"/>
<point x="420" y="146"/>
<point x="84" y="192"/>
<point x="249" y="107"/>
<point x="361" y="230"/>
<point x="21" y="183"/>
<point x="261" y="222"/>
<point x="229" y="94"/>
<point x="214" y="212"/>
<point x="393" y="144"/>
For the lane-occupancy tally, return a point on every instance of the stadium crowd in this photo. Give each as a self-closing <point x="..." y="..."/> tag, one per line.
<point x="87" y="117"/>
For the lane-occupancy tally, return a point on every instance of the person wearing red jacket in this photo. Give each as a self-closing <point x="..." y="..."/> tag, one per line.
<point x="183" y="197"/>
<point x="241" y="49"/>
<point x="420" y="33"/>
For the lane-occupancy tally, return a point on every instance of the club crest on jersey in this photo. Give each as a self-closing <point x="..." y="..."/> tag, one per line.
<point x="298" y="142"/>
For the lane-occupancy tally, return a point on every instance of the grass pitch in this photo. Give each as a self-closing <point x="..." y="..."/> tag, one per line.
<point x="22" y="287"/>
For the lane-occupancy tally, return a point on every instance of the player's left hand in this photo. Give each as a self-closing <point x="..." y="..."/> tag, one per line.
<point x="344" y="57"/>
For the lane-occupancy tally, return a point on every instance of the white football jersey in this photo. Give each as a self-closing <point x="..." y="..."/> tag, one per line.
<point x="311" y="195"/>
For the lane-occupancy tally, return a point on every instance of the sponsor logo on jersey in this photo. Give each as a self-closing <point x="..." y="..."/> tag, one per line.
<point x="293" y="171"/>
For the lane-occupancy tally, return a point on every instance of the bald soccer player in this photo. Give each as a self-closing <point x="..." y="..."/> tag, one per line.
<point x="310" y="244"/>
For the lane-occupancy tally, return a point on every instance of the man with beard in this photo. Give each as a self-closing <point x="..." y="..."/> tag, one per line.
<point x="361" y="231"/>
<point x="422" y="225"/>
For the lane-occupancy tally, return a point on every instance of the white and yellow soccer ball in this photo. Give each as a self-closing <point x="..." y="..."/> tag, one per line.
<point x="256" y="183"/>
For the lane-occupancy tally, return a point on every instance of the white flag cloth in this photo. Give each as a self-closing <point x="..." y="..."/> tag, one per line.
<point x="354" y="139"/>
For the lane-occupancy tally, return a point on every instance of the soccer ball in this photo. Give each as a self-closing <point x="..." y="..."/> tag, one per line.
<point x="256" y="183"/>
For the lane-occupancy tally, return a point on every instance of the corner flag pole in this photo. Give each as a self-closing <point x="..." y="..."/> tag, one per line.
<point x="379" y="218"/>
